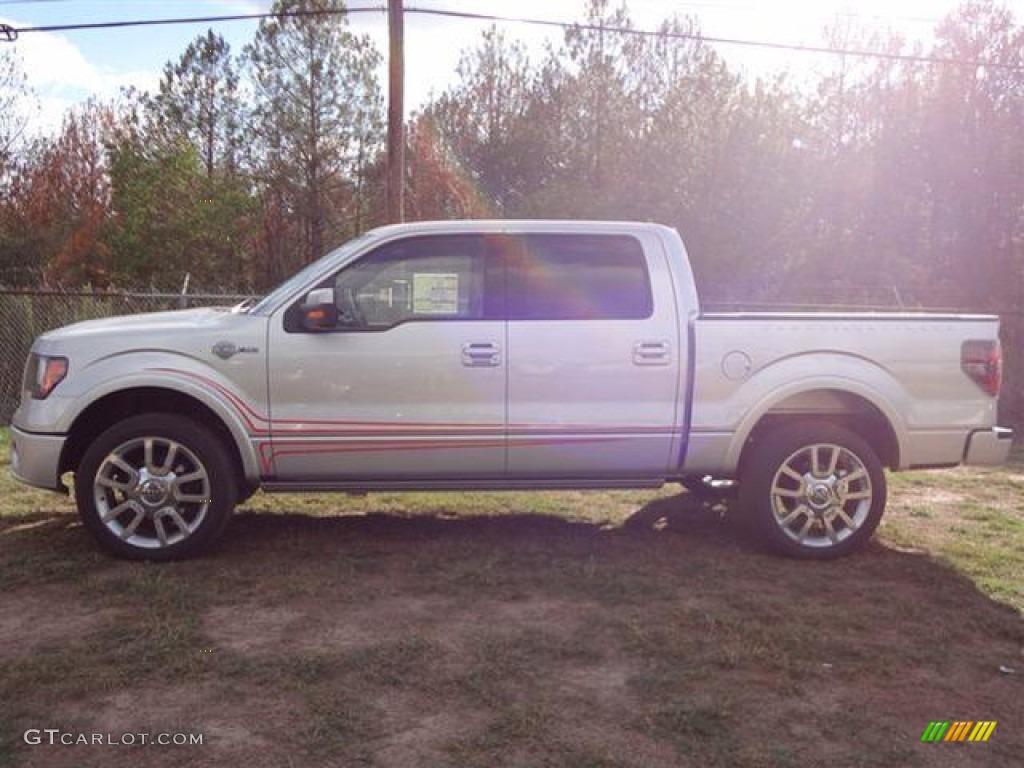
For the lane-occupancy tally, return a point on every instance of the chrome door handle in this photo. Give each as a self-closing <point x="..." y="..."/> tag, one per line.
<point x="651" y="353"/>
<point x="481" y="355"/>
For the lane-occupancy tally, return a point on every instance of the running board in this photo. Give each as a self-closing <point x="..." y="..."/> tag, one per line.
<point x="475" y="484"/>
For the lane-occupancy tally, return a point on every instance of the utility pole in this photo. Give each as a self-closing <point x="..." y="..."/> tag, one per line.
<point x="396" y="113"/>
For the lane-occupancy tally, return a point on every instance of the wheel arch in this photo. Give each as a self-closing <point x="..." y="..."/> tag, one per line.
<point x="853" y="411"/>
<point x="120" y="404"/>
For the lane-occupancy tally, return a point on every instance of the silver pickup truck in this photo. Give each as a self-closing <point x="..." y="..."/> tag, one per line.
<point x="503" y="354"/>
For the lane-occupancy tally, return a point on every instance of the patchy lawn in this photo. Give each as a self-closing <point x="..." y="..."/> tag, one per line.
<point x="550" y="629"/>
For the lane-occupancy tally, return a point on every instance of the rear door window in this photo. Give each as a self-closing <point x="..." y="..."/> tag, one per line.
<point x="577" y="277"/>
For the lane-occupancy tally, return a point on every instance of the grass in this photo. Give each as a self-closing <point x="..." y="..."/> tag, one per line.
<point x="972" y="519"/>
<point x="596" y="630"/>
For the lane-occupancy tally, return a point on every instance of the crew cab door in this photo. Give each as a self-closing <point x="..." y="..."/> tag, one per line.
<point x="410" y="383"/>
<point x="595" y="354"/>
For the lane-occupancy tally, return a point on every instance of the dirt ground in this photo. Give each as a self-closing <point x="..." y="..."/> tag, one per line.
<point x="400" y="640"/>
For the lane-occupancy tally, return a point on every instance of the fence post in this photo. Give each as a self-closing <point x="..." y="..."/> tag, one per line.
<point x="183" y="299"/>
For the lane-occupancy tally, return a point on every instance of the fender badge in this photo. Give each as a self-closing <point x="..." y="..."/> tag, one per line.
<point x="224" y="349"/>
<point x="227" y="349"/>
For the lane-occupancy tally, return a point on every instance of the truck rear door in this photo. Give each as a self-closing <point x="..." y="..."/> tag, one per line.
<point x="594" y="355"/>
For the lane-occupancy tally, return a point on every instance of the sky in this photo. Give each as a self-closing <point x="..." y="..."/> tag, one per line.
<point x="68" y="67"/>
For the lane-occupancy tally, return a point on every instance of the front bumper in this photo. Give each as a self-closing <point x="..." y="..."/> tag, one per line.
<point x="988" y="447"/>
<point x="35" y="459"/>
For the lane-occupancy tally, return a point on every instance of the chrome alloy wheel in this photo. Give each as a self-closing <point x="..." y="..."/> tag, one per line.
<point x="152" y="492"/>
<point x="821" y="495"/>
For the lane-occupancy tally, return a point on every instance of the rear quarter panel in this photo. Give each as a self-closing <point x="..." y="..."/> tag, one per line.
<point x="906" y="366"/>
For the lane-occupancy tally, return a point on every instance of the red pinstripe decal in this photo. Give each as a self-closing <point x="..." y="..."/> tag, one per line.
<point x="428" y="427"/>
<point x="240" y="405"/>
<point x="299" y="424"/>
<point x="265" y="458"/>
<point x="381" y="446"/>
<point x="362" y="429"/>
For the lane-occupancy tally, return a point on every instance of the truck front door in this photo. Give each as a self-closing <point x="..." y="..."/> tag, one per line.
<point x="412" y="381"/>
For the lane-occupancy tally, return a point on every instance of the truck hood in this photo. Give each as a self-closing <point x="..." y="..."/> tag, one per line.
<point x="178" y="321"/>
<point x="190" y="332"/>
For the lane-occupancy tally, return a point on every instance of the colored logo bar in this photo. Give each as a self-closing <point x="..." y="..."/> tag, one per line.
<point x="958" y="730"/>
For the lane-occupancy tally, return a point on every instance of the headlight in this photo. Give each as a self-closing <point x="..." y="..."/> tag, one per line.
<point x="42" y="374"/>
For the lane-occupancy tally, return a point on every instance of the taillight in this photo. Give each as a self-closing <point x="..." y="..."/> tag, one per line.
<point x="982" y="361"/>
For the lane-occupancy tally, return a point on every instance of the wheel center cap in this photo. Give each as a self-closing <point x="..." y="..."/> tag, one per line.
<point x="153" y="491"/>
<point x="820" y="496"/>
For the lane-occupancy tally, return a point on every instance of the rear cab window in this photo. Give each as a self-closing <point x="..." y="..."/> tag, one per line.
<point x="577" y="277"/>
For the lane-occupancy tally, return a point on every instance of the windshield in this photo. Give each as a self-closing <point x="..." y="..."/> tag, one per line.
<point x="304" y="275"/>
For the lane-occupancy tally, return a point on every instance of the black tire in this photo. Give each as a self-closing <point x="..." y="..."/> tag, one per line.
<point x="813" y="508"/>
<point x="177" y="502"/>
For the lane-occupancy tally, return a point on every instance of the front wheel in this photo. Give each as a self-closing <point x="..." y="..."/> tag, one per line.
<point x="813" y="491"/>
<point x="155" y="487"/>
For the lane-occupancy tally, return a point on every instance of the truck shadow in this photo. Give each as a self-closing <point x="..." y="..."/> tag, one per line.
<point x="683" y="518"/>
<point x="680" y="522"/>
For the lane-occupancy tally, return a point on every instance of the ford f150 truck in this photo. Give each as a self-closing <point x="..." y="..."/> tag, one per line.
<point x="494" y="355"/>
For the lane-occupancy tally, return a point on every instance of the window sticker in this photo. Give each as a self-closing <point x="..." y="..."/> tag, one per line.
<point x="435" y="293"/>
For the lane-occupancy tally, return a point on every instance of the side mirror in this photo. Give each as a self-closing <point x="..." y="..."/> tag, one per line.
<point x="319" y="312"/>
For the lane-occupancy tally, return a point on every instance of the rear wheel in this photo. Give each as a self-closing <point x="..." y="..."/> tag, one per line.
<point x="155" y="487"/>
<point x="813" y="490"/>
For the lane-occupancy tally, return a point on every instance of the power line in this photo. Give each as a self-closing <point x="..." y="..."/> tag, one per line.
<point x="16" y="31"/>
<point x="822" y="13"/>
<point x="907" y="57"/>
<point x="9" y="34"/>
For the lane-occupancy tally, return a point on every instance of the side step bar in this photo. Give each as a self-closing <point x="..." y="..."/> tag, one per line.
<point x="467" y="484"/>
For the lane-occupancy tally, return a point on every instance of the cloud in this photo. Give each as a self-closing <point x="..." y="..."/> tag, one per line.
<point x="60" y="76"/>
<point x="51" y="60"/>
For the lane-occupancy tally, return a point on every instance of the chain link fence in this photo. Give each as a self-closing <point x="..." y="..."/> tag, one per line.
<point x="26" y="314"/>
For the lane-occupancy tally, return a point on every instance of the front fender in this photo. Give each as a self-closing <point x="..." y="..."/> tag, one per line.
<point x="238" y="408"/>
